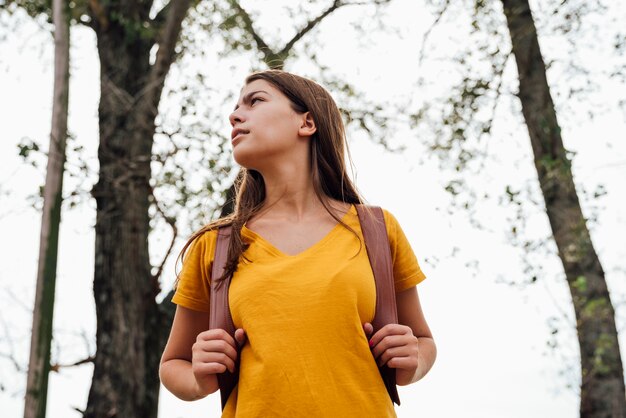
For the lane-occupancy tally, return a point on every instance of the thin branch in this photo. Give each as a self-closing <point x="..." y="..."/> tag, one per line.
<point x="162" y="158"/>
<point x="247" y="21"/>
<point x="161" y="17"/>
<point x="172" y="223"/>
<point x="314" y="22"/>
<point x="262" y="45"/>
<point x="13" y="360"/>
<point x="18" y="300"/>
<point x="169" y="37"/>
<point x="56" y="367"/>
<point x="499" y="74"/>
<point x="310" y="25"/>
<point x="430" y="29"/>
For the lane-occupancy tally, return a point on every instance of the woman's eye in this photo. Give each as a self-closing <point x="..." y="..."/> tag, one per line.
<point x="256" y="98"/>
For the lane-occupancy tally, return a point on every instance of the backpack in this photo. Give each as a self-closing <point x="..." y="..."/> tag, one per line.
<point x="377" y="245"/>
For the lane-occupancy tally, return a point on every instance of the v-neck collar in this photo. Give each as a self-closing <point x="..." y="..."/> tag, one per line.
<point x="275" y="251"/>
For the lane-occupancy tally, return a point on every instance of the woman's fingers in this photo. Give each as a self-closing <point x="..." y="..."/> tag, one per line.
<point x="216" y="346"/>
<point x="389" y="342"/>
<point x="214" y="352"/>
<point x="395" y="353"/>
<point x="212" y="363"/>
<point x="408" y="363"/>
<point x="216" y="334"/>
<point x="389" y="329"/>
<point x="394" y="345"/>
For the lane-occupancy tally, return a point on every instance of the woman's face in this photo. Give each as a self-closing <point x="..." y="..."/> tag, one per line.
<point x="270" y="128"/>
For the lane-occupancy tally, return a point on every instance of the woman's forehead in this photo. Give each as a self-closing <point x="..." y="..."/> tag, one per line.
<point x="256" y="85"/>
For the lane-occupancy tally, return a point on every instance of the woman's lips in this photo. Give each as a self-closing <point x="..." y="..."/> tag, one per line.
<point x="239" y="135"/>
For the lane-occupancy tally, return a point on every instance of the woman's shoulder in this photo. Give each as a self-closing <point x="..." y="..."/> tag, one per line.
<point x="390" y="219"/>
<point x="206" y="237"/>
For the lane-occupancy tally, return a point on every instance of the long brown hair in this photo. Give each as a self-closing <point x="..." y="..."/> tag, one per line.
<point x="328" y="169"/>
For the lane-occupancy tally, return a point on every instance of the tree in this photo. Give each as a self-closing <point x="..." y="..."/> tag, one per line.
<point x="602" y="388"/>
<point x="41" y="337"/>
<point x="463" y="120"/>
<point x="129" y="321"/>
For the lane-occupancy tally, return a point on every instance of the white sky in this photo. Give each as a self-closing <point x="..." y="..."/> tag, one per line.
<point x="491" y="338"/>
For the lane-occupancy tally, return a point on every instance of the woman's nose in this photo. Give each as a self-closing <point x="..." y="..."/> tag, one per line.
<point x="234" y="117"/>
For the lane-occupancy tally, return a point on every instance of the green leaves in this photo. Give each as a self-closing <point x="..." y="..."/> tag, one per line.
<point x="26" y="147"/>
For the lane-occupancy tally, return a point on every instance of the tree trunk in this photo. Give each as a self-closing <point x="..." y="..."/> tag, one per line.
<point x="43" y="312"/>
<point x="130" y="325"/>
<point x="602" y="387"/>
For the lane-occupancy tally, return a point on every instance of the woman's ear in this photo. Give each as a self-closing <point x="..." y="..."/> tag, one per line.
<point x="307" y="127"/>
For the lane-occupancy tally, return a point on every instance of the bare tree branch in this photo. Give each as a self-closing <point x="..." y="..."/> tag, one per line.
<point x="169" y="36"/>
<point x="310" y="25"/>
<point x="56" y="367"/>
<point x="10" y="355"/>
<point x="13" y="360"/>
<point x="247" y="21"/>
<point x="172" y="223"/>
<point x="314" y="22"/>
<point x="430" y="29"/>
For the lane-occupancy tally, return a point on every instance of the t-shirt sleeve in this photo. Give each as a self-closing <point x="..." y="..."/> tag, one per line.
<point x="194" y="280"/>
<point x="406" y="270"/>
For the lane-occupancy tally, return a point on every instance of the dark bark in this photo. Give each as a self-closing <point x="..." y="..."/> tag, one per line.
<point x="43" y="312"/>
<point x="130" y="325"/>
<point x="602" y="387"/>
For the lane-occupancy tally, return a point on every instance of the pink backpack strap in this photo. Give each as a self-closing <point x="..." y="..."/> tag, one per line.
<point x="219" y="316"/>
<point x="372" y="222"/>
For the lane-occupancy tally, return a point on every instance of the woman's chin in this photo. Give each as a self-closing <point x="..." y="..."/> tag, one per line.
<point x="243" y="157"/>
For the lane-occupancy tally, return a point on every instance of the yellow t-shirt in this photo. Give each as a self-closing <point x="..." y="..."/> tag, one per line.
<point x="306" y="354"/>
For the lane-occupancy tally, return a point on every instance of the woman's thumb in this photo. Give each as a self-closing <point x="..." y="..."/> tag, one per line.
<point x="240" y="336"/>
<point x="368" y="328"/>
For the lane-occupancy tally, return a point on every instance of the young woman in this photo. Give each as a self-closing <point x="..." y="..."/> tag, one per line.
<point x="302" y="294"/>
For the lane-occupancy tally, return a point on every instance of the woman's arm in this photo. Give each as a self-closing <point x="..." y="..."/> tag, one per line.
<point x="175" y="370"/>
<point x="409" y="346"/>
<point x="410" y="314"/>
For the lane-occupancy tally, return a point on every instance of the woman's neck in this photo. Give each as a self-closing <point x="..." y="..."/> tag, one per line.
<point x="289" y="192"/>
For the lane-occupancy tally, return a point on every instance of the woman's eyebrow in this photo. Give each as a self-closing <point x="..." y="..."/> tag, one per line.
<point x="246" y="98"/>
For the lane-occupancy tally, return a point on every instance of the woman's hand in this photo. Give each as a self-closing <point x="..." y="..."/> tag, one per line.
<point x="397" y="347"/>
<point x="214" y="351"/>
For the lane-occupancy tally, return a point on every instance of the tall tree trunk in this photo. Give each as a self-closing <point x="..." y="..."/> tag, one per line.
<point x="43" y="312"/>
<point x="602" y="387"/>
<point x="130" y="325"/>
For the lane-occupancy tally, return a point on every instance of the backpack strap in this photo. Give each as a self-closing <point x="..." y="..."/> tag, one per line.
<point x="372" y="222"/>
<point x="219" y="316"/>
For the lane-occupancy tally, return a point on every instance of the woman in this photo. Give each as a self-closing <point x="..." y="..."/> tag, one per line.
<point x="302" y="294"/>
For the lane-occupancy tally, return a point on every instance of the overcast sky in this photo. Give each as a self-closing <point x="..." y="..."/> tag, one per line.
<point x="493" y="360"/>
